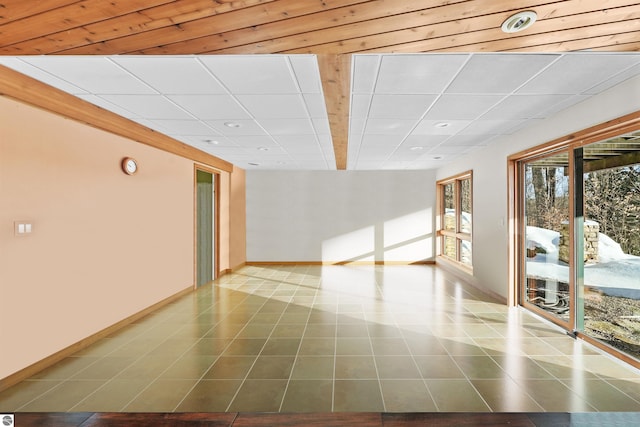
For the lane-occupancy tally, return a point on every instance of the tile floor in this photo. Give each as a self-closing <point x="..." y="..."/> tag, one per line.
<point x="338" y="338"/>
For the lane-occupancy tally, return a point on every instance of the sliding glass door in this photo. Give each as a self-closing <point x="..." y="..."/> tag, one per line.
<point x="546" y="212"/>
<point x="578" y="239"/>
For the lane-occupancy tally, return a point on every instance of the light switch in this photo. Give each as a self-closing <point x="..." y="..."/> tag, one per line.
<point x="23" y="228"/>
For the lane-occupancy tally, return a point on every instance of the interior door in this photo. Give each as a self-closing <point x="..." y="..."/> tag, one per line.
<point x="205" y="227"/>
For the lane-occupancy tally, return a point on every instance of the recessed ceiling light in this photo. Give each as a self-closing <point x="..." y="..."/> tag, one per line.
<point x="442" y="125"/>
<point x="254" y="164"/>
<point x="232" y="125"/>
<point x="263" y="149"/>
<point x="211" y="141"/>
<point x="520" y="21"/>
<point x="416" y="148"/>
<point x="437" y="157"/>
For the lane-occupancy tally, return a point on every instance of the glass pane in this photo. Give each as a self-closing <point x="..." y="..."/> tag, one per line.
<point x="546" y="200"/>
<point x="449" y="207"/>
<point x="465" y="205"/>
<point x="612" y="243"/>
<point x="465" y="252"/>
<point x="450" y="249"/>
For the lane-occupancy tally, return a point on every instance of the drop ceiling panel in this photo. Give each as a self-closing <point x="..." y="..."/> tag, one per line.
<point x="305" y="68"/>
<point x="211" y="107"/>
<point x="400" y="106"/>
<point x="579" y="72"/>
<point x="149" y="106"/>
<point x="244" y="127"/>
<point x="389" y="126"/>
<point x="254" y="74"/>
<point x="274" y="106"/>
<point x="185" y="127"/>
<point x="523" y="106"/>
<point x="462" y="107"/>
<point x="498" y="73"/>
<point x="94" y="74"/>
<point x="411" y="74"/>
<point x="172" y="75"/>
<point x="287" y="126"/>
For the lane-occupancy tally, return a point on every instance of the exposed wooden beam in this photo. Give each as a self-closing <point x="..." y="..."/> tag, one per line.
<point x="613" y="162"/>
<point x="25" y="89"/>
<point x="335" y="73"/>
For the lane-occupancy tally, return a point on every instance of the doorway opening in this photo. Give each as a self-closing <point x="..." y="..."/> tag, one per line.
<point x="206" y="226"/>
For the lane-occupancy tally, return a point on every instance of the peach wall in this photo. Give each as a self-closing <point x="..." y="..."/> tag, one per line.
<point x="237" y="219"/>
<point x="104" y="246"/>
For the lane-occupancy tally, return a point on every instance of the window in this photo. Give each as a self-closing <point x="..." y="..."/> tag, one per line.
<point x="455" y="225"/>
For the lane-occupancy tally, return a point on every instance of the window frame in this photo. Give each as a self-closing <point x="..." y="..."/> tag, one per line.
<point x="459" y="236"/>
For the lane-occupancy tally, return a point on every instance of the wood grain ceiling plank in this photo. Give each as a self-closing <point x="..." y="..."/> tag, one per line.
<point x="25" y="89"/>
<point x="68" y="17"/>
<point x="581" y="36"/>
<point x="264" y="38"/>
<point x="473" y="30"/>
<point x="626" y="42"/>
<point x="10" y="10"/>
<point x="335" y="73"/>
<point x="279" y="10"/>
<point x="164" y="15"/>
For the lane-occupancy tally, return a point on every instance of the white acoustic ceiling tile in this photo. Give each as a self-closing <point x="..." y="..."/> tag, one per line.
<point x="523" y="106"/>
<point x="400" y="106"/>
<point x="437" y="127"/>
<point x="614" y="80"/>
<point x="325" y="140"/>
<point x="424" y="140"/>
<point x="357" y="125"/>
<point x="253" y="74"/>
<point x="305" y="68"/>
<point x="565" y="103"/>
<point x="149" y="106"/>
<point x="382" y="140"/>
<point x="287" y="126"/>
<point x="359" y="108"/>
<point x="103" y="103"/>
<point x="40" y="74"/>
<point x="365" y="72"/>
<point x="490" y="127"/>
<point x="461" y="107"/>
<point x="274" y="106"/>
<point x="315" y="105"/>
<point x="95" y="74"/>
<point x="296" y="140"/>
<point x="211" y="107"/>
<point x="253" y="141"/>
<point x="236" y="127"/>
<point x="389" y="126"/>
<point x="448" y="149"/>
<point x="465" y="140"/>
<point x="208" y="141"/>
<point x="321" y="126"/>
<point x="171" y="75"/>
<point x="578" y="72"/>
<point x="185" y="127"/>
<point x="417" y="73"/>
<point x="498" y="73"/>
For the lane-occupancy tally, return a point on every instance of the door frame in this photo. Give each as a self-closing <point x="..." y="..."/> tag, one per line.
<point x="216" y="218"/>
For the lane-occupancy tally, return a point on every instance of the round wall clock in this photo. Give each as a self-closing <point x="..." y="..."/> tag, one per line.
<point x="129" y="165"/>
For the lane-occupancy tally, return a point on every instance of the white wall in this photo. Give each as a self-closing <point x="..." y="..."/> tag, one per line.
<point x="489" y="165"/>
<point x="335" y="216"/>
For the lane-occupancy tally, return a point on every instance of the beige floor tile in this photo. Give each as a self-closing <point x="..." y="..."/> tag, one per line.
<point x="396" y="367"/>
<point x="210" y="396"/>
<point x="259" y="396"/>
<point x="438" y="367"/>
<point x="355" y="367"/>
<point x="505" y="395"/>
<point x="313" y="368"/>
<point x="456" y="396"/>
<point x="160" y="396"/>
<point x="24" y="392"/>
<point x="406" y="396"/>
<point x="111" y="397"/>
<point x="272" y="368"/>
<point x="235" y="367"/>
<point x="308" y="396"/>
<point x="63" y="397"/>
<point x="357" y="396"/>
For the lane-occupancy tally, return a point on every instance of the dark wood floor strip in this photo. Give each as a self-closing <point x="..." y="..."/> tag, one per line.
<point x="333" y="419"/>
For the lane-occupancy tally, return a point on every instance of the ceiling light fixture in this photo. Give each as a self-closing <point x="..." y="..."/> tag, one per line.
<point x="442" y="125"/>
<point x="254" y="164"/>
<point x="232" y="125"/>
<point x="520" y="21"/>
<point x="437" y="157"/>
<point x="416" y="148"/>
<point x="263" y="149"/>
<point x="211" y="141"/>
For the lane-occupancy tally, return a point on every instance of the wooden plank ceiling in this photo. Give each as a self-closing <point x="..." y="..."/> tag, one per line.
<point x="332" y="29"/>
